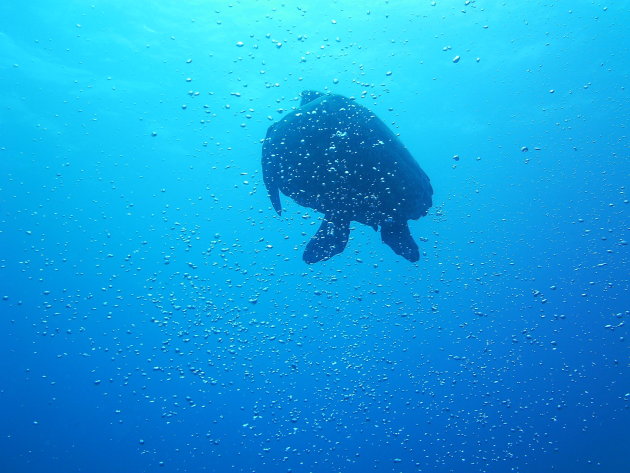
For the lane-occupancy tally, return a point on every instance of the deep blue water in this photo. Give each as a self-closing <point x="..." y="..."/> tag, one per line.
<point x="157" y="314"/>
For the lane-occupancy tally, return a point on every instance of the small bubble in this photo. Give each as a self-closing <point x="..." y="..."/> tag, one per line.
<point x="456" y="59"/>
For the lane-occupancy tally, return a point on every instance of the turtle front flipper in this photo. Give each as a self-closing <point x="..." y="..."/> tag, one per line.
<point x="330" y="239"/>
<point x="399" y="239"/>
<point x="270" y="168"/>
<point x="274" y="196"/>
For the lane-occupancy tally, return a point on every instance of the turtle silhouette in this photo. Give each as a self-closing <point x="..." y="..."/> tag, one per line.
<point x="335" y="156"/>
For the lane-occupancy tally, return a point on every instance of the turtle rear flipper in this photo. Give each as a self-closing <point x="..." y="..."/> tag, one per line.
<point x="330" y="239"/>
<point x="399" y="239"/>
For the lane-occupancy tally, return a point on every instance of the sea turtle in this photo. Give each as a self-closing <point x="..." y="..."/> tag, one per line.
<point x="335" y="156"/>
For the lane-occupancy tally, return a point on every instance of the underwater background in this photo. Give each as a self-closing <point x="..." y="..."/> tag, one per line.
<point x="156" y="314"/>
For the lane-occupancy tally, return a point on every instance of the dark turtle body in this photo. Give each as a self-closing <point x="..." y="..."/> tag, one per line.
<point x="336" y="157"/>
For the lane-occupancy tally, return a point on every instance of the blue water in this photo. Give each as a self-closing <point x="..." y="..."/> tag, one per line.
<point x="157" y="314"/>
